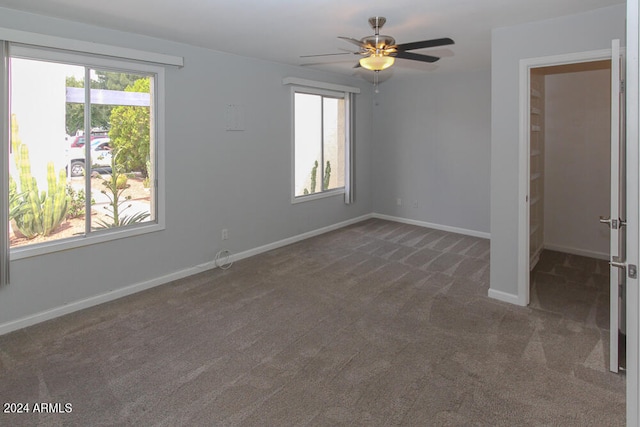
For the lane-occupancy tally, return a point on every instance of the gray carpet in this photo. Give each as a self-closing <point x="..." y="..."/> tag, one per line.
<point x="572" y="286"/>
<point x="376" y="324"/>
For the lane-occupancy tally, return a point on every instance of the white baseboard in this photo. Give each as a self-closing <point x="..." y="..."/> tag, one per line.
<point x="576" y="251"/>
<point x="441" y="227"/>
<point x="43" y="316"/>
<point x="141" y="286"/>
<point x="30" y="320"/>
<point x="505" y="297"/>
<point x="297" y="238"/>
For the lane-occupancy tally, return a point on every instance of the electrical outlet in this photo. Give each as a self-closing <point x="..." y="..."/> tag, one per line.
<point x="415" y="204"/>
<point x="225" y="234"/>
<point x="399" y="201"/>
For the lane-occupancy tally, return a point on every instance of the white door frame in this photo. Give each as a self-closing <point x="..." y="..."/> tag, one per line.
<point x="633" y="208"/>
<point x="633" y="189"/>
<point x="633" y="214"/>
<point x="524" y="149"/>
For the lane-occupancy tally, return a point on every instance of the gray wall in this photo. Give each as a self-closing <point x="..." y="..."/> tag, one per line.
<point x="214" y="179"/>
<point x="577" y="161"/>
<point x="576" y="33"/>
<point x="430" y="142"/>
<point x="432" y="145"/>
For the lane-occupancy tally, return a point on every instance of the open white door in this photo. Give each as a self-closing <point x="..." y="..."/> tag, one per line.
<point x="617" y="214"/>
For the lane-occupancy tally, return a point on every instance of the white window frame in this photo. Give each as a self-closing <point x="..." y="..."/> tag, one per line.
<point x="111" y="64"/>
<point x="322" y="193"/>
<point x="304" y="85"/>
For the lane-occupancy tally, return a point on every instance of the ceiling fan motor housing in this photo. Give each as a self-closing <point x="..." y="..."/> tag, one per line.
<point x="378" y="42"/>
<point x="377" y="22"/>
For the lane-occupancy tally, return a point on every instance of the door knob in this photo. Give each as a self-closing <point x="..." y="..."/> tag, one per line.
<point x="618" y="264"/>
<point x="612" y="223"/>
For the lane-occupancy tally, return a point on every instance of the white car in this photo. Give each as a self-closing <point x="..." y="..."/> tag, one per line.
<point x="100" y="158"/>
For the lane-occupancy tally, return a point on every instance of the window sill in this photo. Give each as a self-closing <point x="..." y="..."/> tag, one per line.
<point x="23" y="252"/>
<point x="322" y="195"/>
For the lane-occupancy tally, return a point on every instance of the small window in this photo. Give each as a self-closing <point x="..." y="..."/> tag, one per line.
<point x="320" y="144"/>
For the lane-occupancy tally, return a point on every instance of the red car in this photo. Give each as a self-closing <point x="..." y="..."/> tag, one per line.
<point x="78" y="141"/>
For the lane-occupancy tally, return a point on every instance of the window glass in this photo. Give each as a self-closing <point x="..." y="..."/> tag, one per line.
<point x="334" y="143"/>
<point x="75" y="171"/>
<point x="319" y="143"/>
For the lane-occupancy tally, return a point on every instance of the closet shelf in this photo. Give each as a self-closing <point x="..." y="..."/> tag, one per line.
<point x="536" y="167"/>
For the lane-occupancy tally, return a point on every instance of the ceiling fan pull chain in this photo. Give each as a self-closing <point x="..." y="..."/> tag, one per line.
<point x="375" y="81"/>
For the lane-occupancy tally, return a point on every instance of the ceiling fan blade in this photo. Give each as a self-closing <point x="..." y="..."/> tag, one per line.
<point x="329" y="54"/>
<point x="354" y="41"/>
<point x="415" y="56"/>
<point x="424" y="44"/>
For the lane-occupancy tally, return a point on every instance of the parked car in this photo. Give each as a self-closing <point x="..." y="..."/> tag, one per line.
<point x="78" y="141"/>
<point x="100" y="158"/>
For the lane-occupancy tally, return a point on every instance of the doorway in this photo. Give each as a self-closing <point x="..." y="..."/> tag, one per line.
<point x="569" y="173"/>
<point x="574" y="162"/>
<point x="569" y="159"/>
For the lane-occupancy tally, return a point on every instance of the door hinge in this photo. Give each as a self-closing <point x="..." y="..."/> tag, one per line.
<point x="632" y="270"/>
<point x="622" y="86"/>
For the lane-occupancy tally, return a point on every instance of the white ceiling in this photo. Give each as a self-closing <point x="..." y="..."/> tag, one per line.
<point x="283" y="30"/>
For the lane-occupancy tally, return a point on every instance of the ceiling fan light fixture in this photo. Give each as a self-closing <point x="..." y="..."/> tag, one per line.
<point x="377" y="62"/>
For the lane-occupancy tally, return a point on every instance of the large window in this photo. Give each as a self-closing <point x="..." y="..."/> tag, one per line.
<point x="83" y="151"/>
<point x="320" y="143"/>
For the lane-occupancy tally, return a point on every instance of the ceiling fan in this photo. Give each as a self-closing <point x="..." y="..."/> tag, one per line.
<point x="379" y="52"/>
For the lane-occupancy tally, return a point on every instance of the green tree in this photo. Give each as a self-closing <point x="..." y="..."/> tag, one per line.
<point x="75" y="112"/>
<point x="129" y="131"/>
<point x="100" y="114"/>
<point x="113" y="80"/>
